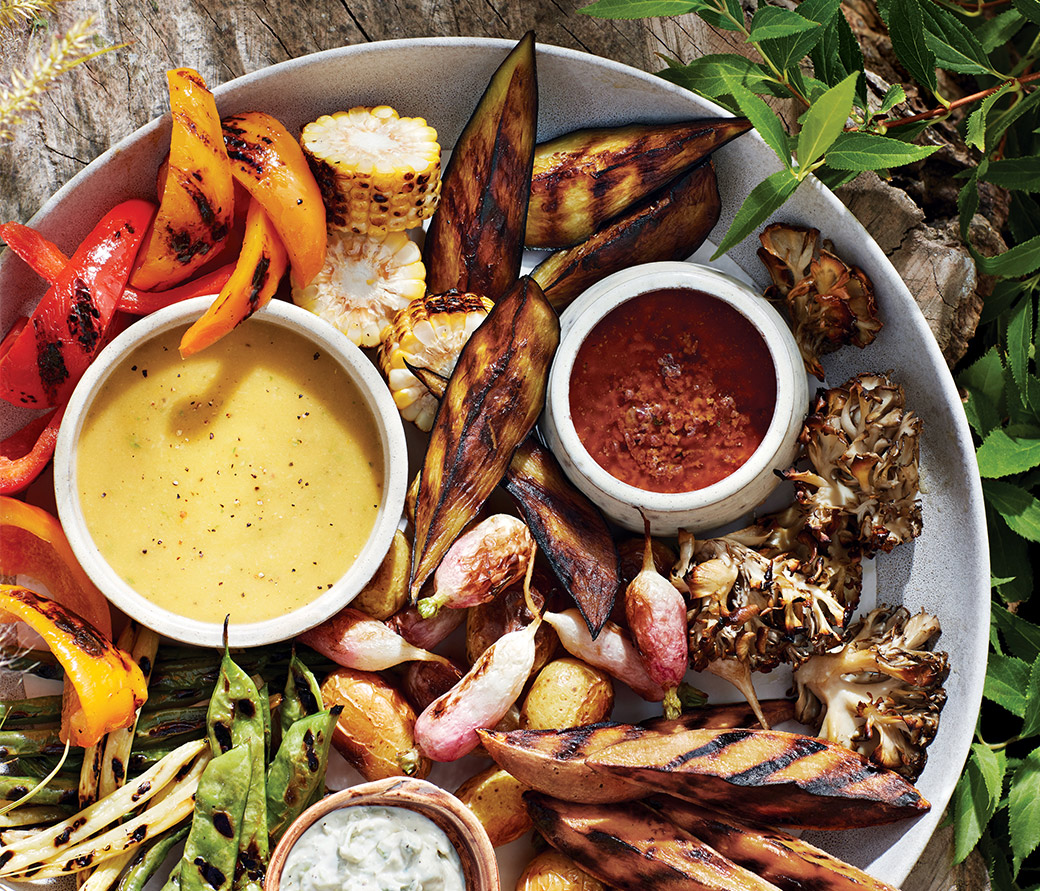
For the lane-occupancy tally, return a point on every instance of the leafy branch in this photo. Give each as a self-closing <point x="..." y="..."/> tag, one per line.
<point x="811" y="55"/>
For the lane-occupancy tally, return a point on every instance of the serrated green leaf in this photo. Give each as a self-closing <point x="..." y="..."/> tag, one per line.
<point x="765" y="121"/>
<point x="787" y="52"/>
<point x="1015" y="173"/>
<point x="955" y="47"/>
<point x="1002" y="455"/>
<point x="1020" y="332"/>
<point x="1020" y="510"/>
<point x="1004" y="294"/>
<point x="1024" y="808"/>
<point x="774" y="21"/>
<point x="1006" y="680"/>
<point x="834" y="179"/>
<point x="1023" y="217"/>
<point x="906" y="29"/>
<point x="825" y="120"/>
<point x="714" y="76"/>
<point x="996" y="32"/>
<point x="994" y="582"/>
<point x="974" y="801"/>
<point x="838" y="54"/>
<point x="638" y="9"/>
<point x="978" y="120"/>
<point x="894" y="95"/>
<point x="1019" y="260"/>
<point x="1009" y="556"/>
<point x="1021" y="636"/>
<point x="1031" y="724"/>
<point x="868" y="151"/>
<point x="767" y="197"/>
<point x="1030" y="9"/>
<point x="1004" y="119"/>
<point x="984" y="382"/>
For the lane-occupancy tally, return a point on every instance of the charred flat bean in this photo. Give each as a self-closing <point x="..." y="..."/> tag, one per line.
<point x="147" y="862"/>
<point x="59" y="790"/>
<point x="302" y="695"/>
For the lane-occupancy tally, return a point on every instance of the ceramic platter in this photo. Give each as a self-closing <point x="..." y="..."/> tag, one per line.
<point x="945" y="571"/>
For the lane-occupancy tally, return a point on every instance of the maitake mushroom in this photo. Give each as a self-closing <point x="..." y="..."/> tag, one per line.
<point x="827" y="302"/>
<point x="864" y="447"/>
<point x="880" y="693"/>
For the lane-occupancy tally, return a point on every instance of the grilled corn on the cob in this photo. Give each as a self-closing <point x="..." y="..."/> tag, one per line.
<point x="366" y="279"/>
<point x="429" y="333"/>
<point x="378" y="172"/>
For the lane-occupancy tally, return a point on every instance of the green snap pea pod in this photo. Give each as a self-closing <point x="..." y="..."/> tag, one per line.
<point x="14" y="743"/>
<point x="211" y="850"/>
<point x="165" y="723"/>
<point x="265" y="714"/>
<point x="147" y="862"/>
<point x="39" y="710"/>
<point x="302" y="694"/>
<point x="298" y="769"/>
<point x="59" y="790"/>
<point x="235" y="720"/>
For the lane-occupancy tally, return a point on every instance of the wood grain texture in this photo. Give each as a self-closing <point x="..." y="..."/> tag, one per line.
<point x="105" y="100"/>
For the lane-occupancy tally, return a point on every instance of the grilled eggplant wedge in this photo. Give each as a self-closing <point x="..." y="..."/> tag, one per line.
<point x="781" y="779"/>
<point x="568" y="528"/>
<point x="584" y="178"/>
<point x="634" y="848"/>
<point x="476" y="239"/>
<point x="668" y="225"/>
<point x="492" y="400"/>
<point x="788" y="862"/>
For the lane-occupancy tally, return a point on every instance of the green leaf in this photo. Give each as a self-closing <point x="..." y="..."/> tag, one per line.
<point x="1024" y="808"/>
<point x="995" y="33"/>
<point x="975" y="798"/>
<point x="1009" y="556"/>
<point x="765" y="121"/>
<point x="984" y="381"/>
<point x="1022" y="637"/>
<point x="714" y="76"/>
<point x="894" y="95"/>
<point x="1006" y="118"/>
<point x="1004" y="294"/>
<point x="774" y="21"/>
<point x="978" y="120"/>
<point x="1002" y="455"/>
<point x="1031" y="725"/>
<point x="638" y="9"/>
<point x="906" y="27"/>
<point x="868" y="151"/>
<point x="1020" y="510"/>
<point x="825" y="120"/>
<point x="955" y="47"/>
<point x="1028" y="8"/>
<point x="968" y="201"/>
<point x="838" y="54"/>
<point x="1015" y="173"/>
<point x="787" y="52"/>
<point x="1019" y="260"/>
<point x="994" y="582"/>
<point x="1020" y="332"/>
<point x="767" y="197"/>
<point x="1023" y="217"/>
<point x="1006" y="679"/>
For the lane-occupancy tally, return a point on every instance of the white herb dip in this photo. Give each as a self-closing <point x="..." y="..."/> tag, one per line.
<point x="373" y="848"/>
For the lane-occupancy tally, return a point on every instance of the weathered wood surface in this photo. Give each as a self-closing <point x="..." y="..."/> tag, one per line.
<point x="98" y="104"/>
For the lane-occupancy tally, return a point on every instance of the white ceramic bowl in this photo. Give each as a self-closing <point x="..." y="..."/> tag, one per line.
<point x="388" y="425"/>
<point x="725" y="500"/>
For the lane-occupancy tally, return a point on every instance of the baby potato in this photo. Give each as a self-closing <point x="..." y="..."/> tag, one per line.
<point x="567" y="693"/>
<point x="495" y="797"/>
<point x="553" y="871"/>
<point x="387" y="592"/>
<point x="375" y="731"/>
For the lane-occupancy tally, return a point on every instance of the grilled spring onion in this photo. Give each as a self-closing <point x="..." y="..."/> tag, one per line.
<point x="429" y="334"/>
<point x="366" y="279"/>
<point x="378" y="172"/>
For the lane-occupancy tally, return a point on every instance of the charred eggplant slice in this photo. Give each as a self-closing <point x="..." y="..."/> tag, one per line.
<point x="492" y="401"/>
<point x="476" y="238"/>
<point x="669" y="225"/>
<point x="568" y="528"/>
<point x="587" y="177"/>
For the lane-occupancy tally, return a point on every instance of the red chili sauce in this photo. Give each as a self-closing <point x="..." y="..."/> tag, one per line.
<point x="672" y="391"/>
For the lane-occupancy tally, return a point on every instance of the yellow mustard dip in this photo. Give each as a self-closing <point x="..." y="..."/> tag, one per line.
<point x="242" y="481"/>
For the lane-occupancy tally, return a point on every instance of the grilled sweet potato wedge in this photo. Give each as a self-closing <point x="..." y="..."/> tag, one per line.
<point x="668" y="225"/>
<point x="788" y="862"/>
<point x="634" y="848"/>
<point x="492" y="401"/>
<point x="553" y="761"/>
<point x="584" y="178"/>
<point x="568" y="528"/>
<point x="476" y="239"/>
<point x="782" y="779"/>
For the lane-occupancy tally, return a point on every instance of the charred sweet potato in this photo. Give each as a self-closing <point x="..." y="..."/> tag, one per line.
<point x="584" y="178"/>
<point x="491" y="403"/>
<point x="669" y="225"/>
<point x="476" y="238"/>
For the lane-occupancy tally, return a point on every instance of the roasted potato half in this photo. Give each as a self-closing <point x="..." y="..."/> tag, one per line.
<point x="495" y="797"/>
<point x="567" y="693"/>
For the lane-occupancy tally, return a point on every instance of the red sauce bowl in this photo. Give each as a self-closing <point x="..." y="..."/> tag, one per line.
<point x="676" y="392"/>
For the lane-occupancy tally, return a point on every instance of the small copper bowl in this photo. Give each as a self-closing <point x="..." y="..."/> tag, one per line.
<point x="464" y="830"/>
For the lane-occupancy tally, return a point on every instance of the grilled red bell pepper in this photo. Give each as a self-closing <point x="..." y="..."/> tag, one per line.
<point x="68" y="326"/>
<point x="25" y="453"/>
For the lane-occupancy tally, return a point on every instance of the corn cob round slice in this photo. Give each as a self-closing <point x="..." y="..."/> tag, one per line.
<point x="378" y="172"/>
<point x="366" y="279"/>
<point x="429" y="333"/>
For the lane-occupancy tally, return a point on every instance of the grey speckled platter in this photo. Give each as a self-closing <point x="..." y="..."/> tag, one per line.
<point x="946" y="571"/>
